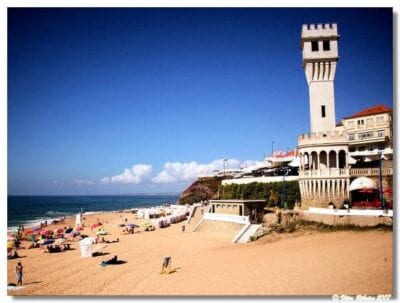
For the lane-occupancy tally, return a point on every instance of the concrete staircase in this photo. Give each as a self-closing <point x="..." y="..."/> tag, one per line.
<point x="195" y="217"/>
<point x="243" y="236"/>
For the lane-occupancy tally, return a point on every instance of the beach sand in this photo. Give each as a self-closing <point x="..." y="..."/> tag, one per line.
<point x="206" y="263"/>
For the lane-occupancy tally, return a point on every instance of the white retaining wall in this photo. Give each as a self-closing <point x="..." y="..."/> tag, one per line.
<point x="227" y="218"/>
<point x="262" y="179"/>
<point x="350" y="212"/>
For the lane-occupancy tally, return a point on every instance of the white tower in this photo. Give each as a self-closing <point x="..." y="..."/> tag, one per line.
<point x="319" y="44"/>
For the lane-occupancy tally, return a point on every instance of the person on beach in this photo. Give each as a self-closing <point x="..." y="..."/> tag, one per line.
<point x="18" y="273"/>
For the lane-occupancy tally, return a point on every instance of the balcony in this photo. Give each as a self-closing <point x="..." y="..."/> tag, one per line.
<point x="361" y="172"/>
<point x="343" y="173"/>
<point x="325" y="173"/>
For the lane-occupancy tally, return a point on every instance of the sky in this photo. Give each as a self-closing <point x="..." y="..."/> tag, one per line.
<point x="129" y="100"/>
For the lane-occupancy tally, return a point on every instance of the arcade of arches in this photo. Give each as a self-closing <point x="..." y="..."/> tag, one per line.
<point x="324" y="176"/>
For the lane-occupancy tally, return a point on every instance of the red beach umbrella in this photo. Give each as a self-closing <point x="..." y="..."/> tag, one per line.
<point x="79" y="228"/>
<point x="59" y="230"/>
<point x="46" y="233"/>
<point x="28" y="231"/>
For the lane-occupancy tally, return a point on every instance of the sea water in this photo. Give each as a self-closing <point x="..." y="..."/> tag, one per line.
<point x="30" y="210"/>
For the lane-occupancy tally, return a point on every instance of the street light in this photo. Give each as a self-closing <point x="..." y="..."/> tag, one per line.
<point x="381" y="157"/>
<point x="272" y="148"/>
<point x="224" y="165"/>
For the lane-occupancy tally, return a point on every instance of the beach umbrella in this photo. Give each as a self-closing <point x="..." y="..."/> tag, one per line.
<point x="69" y="230"/>
<point x="28" y="231"/>
<point x="132" y="225"/>
<point x="58" y="231"/>
<point x="79" y="228"/>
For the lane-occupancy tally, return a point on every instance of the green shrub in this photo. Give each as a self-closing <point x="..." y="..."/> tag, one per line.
<point x="271" y="192"/>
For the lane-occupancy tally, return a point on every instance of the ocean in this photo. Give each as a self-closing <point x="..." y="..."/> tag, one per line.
<point x="30" y="210"/>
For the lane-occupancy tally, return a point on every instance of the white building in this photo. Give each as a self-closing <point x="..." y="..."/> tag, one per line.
<point x="332" y="156"/>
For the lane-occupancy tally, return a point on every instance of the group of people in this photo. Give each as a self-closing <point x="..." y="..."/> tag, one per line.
<point x="103" y="240"/>
<point x="57" y="248"/>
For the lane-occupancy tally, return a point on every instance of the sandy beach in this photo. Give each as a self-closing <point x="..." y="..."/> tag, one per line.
<point x="206" y="263"/>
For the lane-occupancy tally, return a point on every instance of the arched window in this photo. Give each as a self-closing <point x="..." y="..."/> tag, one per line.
<point x="323" y="161"/>
<point x="314" y="160"/>
<point x="332" y="159"/>
<point x="342" y="159"/>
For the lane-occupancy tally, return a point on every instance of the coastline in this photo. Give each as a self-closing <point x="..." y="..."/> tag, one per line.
<point x="294" y="264"/>
<point x="51" y="210"/>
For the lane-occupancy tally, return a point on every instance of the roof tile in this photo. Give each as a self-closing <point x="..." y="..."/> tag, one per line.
<point x="374" y="110"/>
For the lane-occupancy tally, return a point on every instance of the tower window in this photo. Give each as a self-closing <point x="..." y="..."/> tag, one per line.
<point x="323" y="114"/>
<point x="326" y="45"/>
<point x="314" y="46"/>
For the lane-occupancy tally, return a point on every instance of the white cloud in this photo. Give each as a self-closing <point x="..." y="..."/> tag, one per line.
<point x="80" y="182"/>
<point x="139" y="173"/>
<point x="175" y="172"/>
<point x="58" y="183"/>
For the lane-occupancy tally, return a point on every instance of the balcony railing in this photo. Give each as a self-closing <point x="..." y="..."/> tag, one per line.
<point x="324" y="173"/>
<point x="344" y="172"/>
<point x="359" y="172"/>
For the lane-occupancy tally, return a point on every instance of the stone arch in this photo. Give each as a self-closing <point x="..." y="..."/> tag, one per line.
<point x="332" y="159"/>
<point x="323" y="159"/>
<point x="314" y="160"/>
<point x="306" y="161"/>
<point x="342" y="159"/>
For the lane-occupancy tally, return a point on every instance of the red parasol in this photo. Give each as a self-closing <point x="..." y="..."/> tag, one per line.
<point x="46" y="232"/>
<point x="59" y="230"/>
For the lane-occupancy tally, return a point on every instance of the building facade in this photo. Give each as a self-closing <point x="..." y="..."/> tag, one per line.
<point x="332" y="156"/>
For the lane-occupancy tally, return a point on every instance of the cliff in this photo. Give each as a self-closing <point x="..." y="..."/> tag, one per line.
<point x="201" y="189"/>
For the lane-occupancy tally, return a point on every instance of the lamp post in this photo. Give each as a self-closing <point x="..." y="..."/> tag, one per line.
<point x="284" y="191"/>
<point x="225" y="165"/>
<point x="272" y="154"/>
<point x="381" y="157"/>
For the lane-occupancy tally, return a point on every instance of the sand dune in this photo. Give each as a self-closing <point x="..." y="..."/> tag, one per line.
<point x="208" y="264"/>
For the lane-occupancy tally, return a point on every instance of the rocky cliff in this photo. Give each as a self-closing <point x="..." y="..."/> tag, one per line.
<point x="201" y="189"/>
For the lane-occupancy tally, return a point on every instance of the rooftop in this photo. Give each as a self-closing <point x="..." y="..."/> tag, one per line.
<point x="374" y="110"/>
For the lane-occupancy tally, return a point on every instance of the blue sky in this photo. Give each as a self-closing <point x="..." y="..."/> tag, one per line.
<point x="104" y="101"/>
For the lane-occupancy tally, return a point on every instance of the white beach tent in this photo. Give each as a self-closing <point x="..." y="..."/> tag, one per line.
<point x="78" y="220"/>
<point x="86" y="247"/>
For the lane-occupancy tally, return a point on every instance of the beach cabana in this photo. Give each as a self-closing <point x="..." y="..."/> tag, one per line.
<point x="86" y="247"/>
<point x="78" y="220"/>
